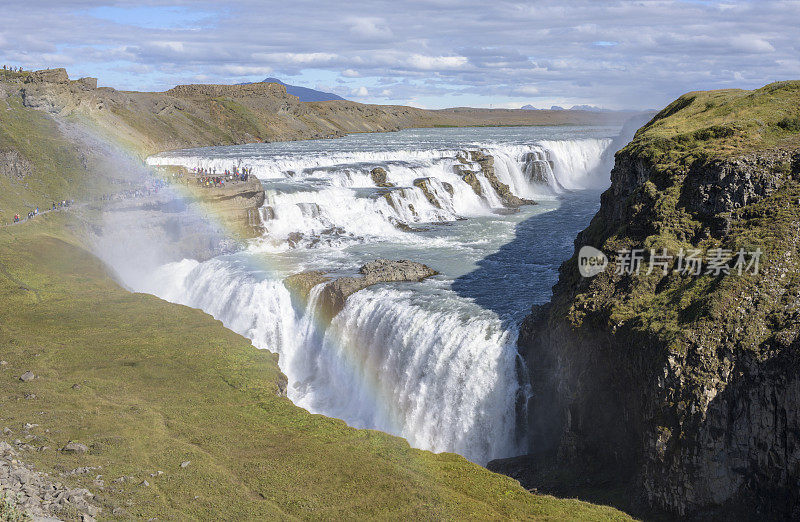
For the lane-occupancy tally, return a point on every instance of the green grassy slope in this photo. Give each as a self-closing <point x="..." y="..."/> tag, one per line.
<point x="60" y="173"/>
<point x="715" y="124"/>
<point x="161" y="384"/>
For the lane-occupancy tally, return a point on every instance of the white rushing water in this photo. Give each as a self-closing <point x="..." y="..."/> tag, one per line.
<point x="436" y="361"/>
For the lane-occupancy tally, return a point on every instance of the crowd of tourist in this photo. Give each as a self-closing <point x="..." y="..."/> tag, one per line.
<point x="210" y="178"/>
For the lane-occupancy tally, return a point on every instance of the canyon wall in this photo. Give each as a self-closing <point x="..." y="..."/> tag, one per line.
<point x="681" y="389"/>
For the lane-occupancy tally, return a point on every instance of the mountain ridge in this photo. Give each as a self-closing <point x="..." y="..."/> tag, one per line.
<point x="305" y="94"/>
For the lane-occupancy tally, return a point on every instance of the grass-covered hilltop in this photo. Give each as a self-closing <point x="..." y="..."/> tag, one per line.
<point x="116" y="405"/>
<point x="669" y="390"/>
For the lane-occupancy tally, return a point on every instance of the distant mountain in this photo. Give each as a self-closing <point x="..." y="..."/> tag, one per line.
<point x="588" y="108"/>
<point x="304" y="93"/>
<point x="591" y="108"/>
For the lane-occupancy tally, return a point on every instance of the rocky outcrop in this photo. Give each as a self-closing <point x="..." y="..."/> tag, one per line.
<point x="237" y="203"/>
<point x="334" y="294"/>
<point x="300" y="285"/>
<point x="713" y="189"/>
<point x="682" y="388"/>
<point x="424" y="184"/>
<point x="14" y="165"/>
<point x="379" y="178"/>
<point x="88" y="83"/>
<point x="215" y="91"/>
<point x="48" y="76"/>
<point x="476" y="161"/>
<point x="469" y="177"/>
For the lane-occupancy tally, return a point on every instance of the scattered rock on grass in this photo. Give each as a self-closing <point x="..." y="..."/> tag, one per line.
<point x="74" y="447"/>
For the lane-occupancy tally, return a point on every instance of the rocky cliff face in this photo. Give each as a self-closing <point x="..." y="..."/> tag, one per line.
<point x="682" y="387"/>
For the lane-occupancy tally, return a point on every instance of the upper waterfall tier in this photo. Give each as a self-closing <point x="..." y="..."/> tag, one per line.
<point x="345" y="195"/>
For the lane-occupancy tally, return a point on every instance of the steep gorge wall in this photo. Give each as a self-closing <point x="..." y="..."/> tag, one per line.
<point x="682" y="388"/>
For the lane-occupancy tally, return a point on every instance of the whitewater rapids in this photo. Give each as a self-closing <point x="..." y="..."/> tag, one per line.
<point x="434" y="362"/>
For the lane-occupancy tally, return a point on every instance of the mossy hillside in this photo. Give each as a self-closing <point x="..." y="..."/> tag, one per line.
<point x="658" y="218"/>
<point x="160" y="384"/>
<point x="706" y="124"/>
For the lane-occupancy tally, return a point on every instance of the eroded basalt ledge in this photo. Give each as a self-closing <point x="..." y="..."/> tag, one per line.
<point x="334" y="294"/>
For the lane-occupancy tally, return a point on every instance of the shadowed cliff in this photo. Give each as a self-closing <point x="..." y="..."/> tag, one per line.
<point x="681" y="389"/>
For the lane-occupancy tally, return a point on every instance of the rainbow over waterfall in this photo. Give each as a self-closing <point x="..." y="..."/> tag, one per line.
<point x="434" y="361"/>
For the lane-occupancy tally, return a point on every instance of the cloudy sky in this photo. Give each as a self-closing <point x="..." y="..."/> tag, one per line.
<point x="437" y="53"/>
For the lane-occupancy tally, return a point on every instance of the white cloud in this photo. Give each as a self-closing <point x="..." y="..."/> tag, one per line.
<point x="296" y="58"/>
<point x="428" y="63"/>
<point x="369" y="28"/>
<point x="176" y="47"/>
<point x="527" y="89"/>
<point x="360" y="92"/>
<point x="493" y="53"/>
<point x="752" y="44"/>
<point x="244" y="70"/>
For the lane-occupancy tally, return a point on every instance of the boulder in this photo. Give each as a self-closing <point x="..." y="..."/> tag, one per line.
<point x="300" y="285"/>
<point x="27" y="376"/>
<point x="485" y="166"/>
<point x="469" y="178"/>
<point x="74" y="447"/>
<point x="538" y="166"/>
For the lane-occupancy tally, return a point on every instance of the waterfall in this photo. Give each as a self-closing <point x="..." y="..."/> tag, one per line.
<point x="384" y="359"/>
<point x="333" y="200"/>
<point x="419" y="360"/>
